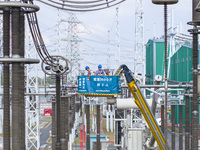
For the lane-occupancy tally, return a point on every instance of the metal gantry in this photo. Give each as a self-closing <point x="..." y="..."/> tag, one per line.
<point x="32" y="102"/>
<point x="117" y="44"/>
<point x="14" y="51"/>
<point x="139" y="54"/>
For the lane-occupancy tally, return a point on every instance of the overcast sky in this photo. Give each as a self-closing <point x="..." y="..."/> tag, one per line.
<point x="94" y="26"/>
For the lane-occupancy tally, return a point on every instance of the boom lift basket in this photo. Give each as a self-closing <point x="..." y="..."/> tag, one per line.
<point x="99" y="86"/>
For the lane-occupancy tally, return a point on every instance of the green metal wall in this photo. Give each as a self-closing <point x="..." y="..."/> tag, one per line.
<point x="160" y="63"/>
<point x="180" y="67"/>
<point x="149" y="62"/>
<point x="154" y="60"/>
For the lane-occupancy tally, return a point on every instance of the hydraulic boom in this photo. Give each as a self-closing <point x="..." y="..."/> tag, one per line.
<point x="143" y="106"/>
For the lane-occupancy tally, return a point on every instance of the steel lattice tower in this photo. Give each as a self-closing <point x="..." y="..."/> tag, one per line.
<point x="1" y="75"/>
<point x="139" y="59"/>
<point x="32" y="102"/>
<point x="73" y="47"/>
<point x="117" y="53"/>
<point x="1" y="35"/>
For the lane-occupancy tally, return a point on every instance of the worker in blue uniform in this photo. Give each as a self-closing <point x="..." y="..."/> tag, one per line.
<point x="89" y="72"/>
<point x="100" y="71"/>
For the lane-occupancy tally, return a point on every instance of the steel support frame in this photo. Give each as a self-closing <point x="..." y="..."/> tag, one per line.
<point x="140" y="54"/>
<point x="73" y="47"/>
<point x="32" y="102"/>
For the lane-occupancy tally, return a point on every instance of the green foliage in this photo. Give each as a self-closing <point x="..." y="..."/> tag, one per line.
<point x="41" y="82"/>
<point x="50" y="81"/>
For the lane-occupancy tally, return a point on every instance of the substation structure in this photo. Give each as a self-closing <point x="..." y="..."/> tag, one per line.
<point x="13" y="59"/>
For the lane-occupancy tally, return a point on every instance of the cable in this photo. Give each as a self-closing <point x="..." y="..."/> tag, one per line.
<point x="37" y="38"/>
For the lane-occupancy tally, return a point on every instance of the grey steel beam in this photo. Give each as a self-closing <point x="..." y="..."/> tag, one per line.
<point x="141" y="86"/>
<point x="6" y="79"/>
<point x="19" y="60"/>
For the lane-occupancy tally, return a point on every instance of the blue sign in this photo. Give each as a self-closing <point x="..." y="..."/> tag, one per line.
<point x="99" y="84"/>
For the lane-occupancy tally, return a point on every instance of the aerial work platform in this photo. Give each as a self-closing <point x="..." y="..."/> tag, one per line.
<point x="99" y="86"/>
<point x="110" y="85"/>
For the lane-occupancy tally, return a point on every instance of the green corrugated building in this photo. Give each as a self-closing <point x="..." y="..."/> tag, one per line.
<point x="154" y="59"/>
<point x="180" y="67"/>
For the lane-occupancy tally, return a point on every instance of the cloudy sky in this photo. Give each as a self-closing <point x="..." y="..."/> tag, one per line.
<point x="93" y="30"/>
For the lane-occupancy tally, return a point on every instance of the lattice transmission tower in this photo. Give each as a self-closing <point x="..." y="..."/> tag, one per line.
<point x="73" y="46"/>
<point x="117" y="44"/>
<point x="139" y="55"/>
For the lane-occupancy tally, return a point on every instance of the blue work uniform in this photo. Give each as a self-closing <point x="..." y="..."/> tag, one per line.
<point x="100" y="72"/>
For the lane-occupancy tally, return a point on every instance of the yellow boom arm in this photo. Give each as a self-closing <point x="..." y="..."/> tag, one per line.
<point x="144" y="108"/>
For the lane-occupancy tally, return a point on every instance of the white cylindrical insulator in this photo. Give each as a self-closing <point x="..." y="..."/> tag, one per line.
<point x="130" y="104"/>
